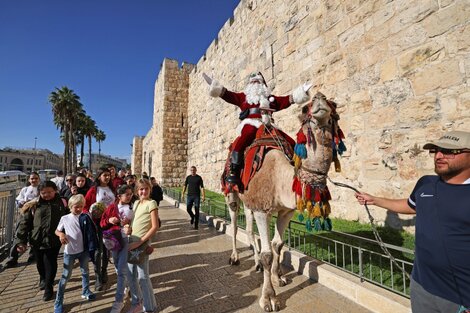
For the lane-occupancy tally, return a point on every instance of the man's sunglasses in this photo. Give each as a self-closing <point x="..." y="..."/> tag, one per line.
<point x="448" y="153"/>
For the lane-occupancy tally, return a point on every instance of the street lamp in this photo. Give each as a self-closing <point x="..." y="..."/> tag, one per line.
<point x="34" y="155"/>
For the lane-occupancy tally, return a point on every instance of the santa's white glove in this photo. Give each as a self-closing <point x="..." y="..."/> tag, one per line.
<point x="216" y="89"/>
<point x="300" y="94"/>
<point x="307" y="86"/>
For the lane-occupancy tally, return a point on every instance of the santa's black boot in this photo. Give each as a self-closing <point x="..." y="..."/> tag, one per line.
<point x="234" y="175"/>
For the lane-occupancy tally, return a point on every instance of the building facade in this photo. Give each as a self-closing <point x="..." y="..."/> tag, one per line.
<point x="100" y="160"/>
<point x="28" y="159"/>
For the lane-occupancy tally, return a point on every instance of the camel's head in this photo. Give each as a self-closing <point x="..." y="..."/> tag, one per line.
<point x="319" y="111"/>
<point x="320" y="108"/>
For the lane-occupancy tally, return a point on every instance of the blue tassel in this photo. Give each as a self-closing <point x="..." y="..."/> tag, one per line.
<point x="300" y="217"/>
<point x="341" y="147"/>
<point x="328" y="226"/>
<point x="301" y="150"/>
<point x="317" y="224"/>
<point x="308" y="225"/>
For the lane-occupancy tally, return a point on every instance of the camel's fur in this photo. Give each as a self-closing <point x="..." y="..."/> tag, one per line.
<point x="270" y="192"/>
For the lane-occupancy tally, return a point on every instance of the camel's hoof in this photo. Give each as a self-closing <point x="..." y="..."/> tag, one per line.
<point x="280" y="282"/>
<point x="259" y="267"/>
<point x="233" y="262"/>
<point x="272" y="307"/>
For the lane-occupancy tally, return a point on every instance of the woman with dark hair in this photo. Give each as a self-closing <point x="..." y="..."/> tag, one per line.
<point x="100" y="194"/>
<point x="41" y="217"/>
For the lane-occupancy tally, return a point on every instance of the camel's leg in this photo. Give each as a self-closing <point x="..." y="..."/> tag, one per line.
<point x="251" y="235"/>
<point x="277" y="243"/>
<point x="234" y="207"/>
<point x="268" y="300"/>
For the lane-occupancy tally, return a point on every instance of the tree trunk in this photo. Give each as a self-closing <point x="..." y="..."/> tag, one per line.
<point x="66" y="149"/>
<point x="82" y="149"/>
<point x="89" y="152"/>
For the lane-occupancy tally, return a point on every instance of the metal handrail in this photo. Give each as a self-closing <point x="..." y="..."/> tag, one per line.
<point x="8" y="214"/>
<point x="365" y="263"/>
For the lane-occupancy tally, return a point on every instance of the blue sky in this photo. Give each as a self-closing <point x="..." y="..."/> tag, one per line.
<point x="108" y="51"/>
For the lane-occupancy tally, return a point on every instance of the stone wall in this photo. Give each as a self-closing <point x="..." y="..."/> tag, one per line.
<point x="165" y="145"/>
<point x="136" y="158"/>
<point x="399" y="71"/>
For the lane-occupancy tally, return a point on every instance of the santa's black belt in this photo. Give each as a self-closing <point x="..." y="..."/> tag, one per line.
<point x="255" y="111"/>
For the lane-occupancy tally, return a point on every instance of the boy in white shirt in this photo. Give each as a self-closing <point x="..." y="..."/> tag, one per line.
<point x="70" y="234"/>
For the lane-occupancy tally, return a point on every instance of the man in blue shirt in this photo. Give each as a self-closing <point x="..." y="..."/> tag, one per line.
<point x="441" y="272"/>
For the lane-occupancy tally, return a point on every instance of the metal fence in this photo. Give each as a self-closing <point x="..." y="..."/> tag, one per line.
<point x="356" y="255"/>
<point x="8" y="214"/>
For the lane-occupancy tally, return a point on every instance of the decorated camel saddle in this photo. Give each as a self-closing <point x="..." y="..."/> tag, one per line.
<point x="267" y="138"/>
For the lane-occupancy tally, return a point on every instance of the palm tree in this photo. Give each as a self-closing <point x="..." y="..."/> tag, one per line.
<point x="87" y="128"/>
<point x="66" y="107"/>
<point x="100" y="136"/>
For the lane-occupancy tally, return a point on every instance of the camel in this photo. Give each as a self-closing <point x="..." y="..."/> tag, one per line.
<point x="270" y="192"/>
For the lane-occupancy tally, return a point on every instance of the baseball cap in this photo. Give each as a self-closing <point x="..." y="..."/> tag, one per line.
<point x="451" y="140"/>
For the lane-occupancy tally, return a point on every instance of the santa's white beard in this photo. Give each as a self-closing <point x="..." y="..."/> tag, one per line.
<point x="255" y="92"/>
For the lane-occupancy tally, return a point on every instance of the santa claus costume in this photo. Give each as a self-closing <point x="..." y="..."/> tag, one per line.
<point x="256" y="104"/>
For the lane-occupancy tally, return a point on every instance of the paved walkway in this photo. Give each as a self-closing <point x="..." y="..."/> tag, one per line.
<point x="190" y="273"/>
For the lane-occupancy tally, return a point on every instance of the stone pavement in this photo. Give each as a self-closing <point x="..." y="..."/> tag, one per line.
<point x="190" y="273"/>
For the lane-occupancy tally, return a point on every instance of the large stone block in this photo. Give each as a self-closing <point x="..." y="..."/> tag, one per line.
<point x="447" y="18"/>
<point x="437" y="75"/>
<point x="419" y="56"/>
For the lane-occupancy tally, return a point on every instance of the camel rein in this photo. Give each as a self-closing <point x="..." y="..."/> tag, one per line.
<point x="372" y="223"/>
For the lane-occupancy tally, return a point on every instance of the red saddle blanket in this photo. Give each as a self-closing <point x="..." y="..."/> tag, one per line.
<point x="266" y="140"/>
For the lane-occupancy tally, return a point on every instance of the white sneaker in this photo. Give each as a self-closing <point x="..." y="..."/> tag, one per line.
<point x="117" y="307"/>
<point x="136" y="308"/>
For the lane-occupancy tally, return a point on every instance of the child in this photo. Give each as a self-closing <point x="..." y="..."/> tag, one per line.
<point x="70" y="234"/>
<point x="144" y="226"/>
<point x="40" y="219"/>
<point x="101" y="192"/>
<point x="117" y="217"/>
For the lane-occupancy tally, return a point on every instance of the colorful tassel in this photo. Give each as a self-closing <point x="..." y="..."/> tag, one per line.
<point x="327" y="225"/>
<point x="300" y="150"/>
<point x="317" y="196"/>
<point x="316" y="210"/>
<point x="308" y="225"/>
<point x="297" y="187"/>
<point x="341" y="147"/>
<point x="308" y="192"/>
<point x="340" y="133"/>
<point x="300" y="205"/>
<point x="301" y="138"/>
<point x="297" y="161"/>
<point x="309" y="206"/>
<point x="337" y="165"/>
<point x="326" y="209"/>
<point x="317" y="224"/>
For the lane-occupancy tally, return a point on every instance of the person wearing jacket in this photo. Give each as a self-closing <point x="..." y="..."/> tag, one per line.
<point x="116" y="219"/>
<point x="40" y="219"/>
<point x="102" y="191"/>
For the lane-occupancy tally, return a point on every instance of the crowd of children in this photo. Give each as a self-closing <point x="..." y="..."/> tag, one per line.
<point x="110" y="217"/>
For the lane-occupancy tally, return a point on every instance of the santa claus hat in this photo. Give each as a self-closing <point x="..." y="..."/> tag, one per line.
<point x="256" y="76"/>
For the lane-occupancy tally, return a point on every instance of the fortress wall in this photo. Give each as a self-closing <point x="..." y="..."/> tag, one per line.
<point x="165" y="146"/>
<point x="399" y="71"/>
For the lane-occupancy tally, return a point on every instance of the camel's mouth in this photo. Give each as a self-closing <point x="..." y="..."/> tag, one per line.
<point x="320" y="110"/>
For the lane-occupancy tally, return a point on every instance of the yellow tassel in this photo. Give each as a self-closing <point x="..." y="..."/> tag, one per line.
<point x="327" y="208"/>
<point x="317" y="210"/>
<point x="337" y="165"/>
<point x="300" y="205"/>
<point x="309" y="207"/>
<point x="297" y="161"/>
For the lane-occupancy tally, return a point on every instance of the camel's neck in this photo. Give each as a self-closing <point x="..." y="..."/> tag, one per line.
<point x="319" y="152"/>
